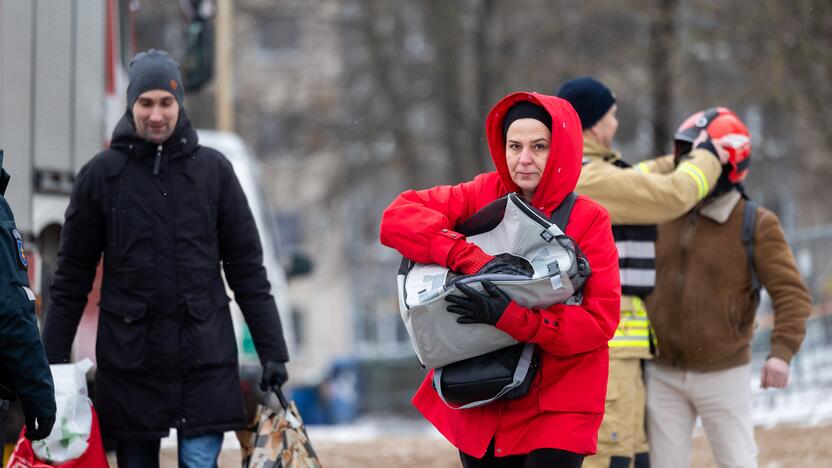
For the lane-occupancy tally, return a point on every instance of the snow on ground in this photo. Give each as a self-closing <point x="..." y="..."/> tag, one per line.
<point x="363" y="430"/>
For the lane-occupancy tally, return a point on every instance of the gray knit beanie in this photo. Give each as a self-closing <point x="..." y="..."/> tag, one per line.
<point x="151" y="70"/>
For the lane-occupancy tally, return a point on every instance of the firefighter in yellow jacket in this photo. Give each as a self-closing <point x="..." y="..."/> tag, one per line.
<point x="637" y="200"/>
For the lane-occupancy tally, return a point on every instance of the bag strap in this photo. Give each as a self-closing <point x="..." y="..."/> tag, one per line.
<point x="561" y="215"/>
<point x="520" y="373"/>
<point x="749" y="225"/>
<point x="277" y="392"/>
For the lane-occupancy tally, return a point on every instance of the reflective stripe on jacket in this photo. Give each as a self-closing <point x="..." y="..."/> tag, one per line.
<point x="634" y="336"/>
<point x="636" y="247"/>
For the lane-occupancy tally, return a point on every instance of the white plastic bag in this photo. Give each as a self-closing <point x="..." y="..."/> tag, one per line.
<point x="70" y="435"/>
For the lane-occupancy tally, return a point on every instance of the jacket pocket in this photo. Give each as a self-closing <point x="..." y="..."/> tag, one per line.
<point x="574" y="384"/>
<point x="209" y="332"/>
<point x="122" y="335"/>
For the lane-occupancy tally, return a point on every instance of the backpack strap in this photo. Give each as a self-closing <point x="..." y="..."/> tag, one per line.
<point x="561" y="215"/>
<point x="749" y="225"/>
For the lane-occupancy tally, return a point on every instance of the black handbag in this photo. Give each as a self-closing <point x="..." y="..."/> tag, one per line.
<point x="505" y="374"/>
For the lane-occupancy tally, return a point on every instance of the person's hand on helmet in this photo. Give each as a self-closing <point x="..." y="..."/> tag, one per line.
<point x="715" y="147"/>
<point x="479" y="307"/>
<point x="508" y="264"/>
<point x="274" y="375"/>
<point x="39" y="427"/>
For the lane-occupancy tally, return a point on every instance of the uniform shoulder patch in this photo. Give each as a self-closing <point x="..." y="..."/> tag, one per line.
<point x="22" y="262"/>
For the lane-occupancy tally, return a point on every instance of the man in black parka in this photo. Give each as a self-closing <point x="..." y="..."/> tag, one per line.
<point x="166" y="213"/>
<point x="24" y="372"/>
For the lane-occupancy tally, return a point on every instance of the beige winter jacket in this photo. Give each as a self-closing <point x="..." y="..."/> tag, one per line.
<point x="650" y="192"/>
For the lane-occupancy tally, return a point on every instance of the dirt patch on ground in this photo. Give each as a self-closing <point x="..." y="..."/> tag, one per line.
<point x="779" y="447"/>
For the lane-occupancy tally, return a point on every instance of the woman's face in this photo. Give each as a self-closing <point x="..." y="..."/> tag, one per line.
<point x="527" y="150"/>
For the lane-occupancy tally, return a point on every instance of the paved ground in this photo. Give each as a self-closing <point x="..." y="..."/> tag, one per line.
<point x="780" y="447"/>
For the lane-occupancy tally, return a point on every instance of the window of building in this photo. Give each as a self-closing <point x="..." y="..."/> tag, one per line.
<point x="380" y="328"/>
<point x="299" y="328"/>
<point x="278" y="33"/>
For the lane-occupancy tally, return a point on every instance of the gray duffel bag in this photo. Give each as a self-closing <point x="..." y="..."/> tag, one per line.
<point x="507" y="225"/>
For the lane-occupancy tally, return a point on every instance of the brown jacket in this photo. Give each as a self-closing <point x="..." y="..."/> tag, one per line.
<point x="703" y="308"/>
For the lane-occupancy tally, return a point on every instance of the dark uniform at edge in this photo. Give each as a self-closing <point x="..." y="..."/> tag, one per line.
<point x="24" y="371"/>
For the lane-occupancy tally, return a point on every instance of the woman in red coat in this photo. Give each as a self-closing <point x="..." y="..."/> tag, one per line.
<point x="536" y="144"/>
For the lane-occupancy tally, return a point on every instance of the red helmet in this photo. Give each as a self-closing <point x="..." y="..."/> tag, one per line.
<point x="720" y="123"/>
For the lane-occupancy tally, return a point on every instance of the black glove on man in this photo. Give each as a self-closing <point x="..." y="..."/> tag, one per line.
<point x="508" y="264"/>
<point x="274" y="375"/>
<point x="709" y="146"/>
<point x="38" y="427"/>
<point x="477" y="307"/>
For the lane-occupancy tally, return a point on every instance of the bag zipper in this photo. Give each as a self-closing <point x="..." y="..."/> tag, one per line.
<point x="531" y="212"/>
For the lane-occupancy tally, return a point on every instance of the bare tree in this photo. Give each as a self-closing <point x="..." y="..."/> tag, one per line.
<point x="662" y="38"/>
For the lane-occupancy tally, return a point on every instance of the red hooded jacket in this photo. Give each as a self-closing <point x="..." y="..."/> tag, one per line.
<point x="565" y="405"/>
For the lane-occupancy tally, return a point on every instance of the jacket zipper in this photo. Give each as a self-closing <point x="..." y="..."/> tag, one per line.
<point x="543" y="222"/>
<point x="158" y="161"/>
<point x="167" y="185"/>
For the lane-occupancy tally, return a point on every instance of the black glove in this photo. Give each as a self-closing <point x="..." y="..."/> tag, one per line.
<point x="39" y="427"/>
<point x="709" y="146"/>
<point x="477" y="307"/>
<point x="274" y="375"/>
<point x="508" y="264"/>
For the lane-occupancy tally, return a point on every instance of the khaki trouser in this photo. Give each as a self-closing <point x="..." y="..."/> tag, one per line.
<point x="722" y="399"/>
<point x="622" y="430"/>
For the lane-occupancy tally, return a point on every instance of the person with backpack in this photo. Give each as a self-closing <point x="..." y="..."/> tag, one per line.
<point x="637" y="199"/>
<point x="535" y="143"/>
<point x="710" y="265"/>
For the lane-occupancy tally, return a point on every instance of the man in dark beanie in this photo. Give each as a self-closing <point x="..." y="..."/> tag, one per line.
<point x="591" y="99"/>
<point x="154" y="69"/>
<point x="167" y="214"/>
<point x="637" y="198"/>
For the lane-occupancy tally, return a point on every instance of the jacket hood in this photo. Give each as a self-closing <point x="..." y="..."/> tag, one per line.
<point x="183" y="140"/>
<point x="565" y="153"/>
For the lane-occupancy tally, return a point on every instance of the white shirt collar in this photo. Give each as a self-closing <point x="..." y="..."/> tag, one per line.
<point x="720" y="208"/>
